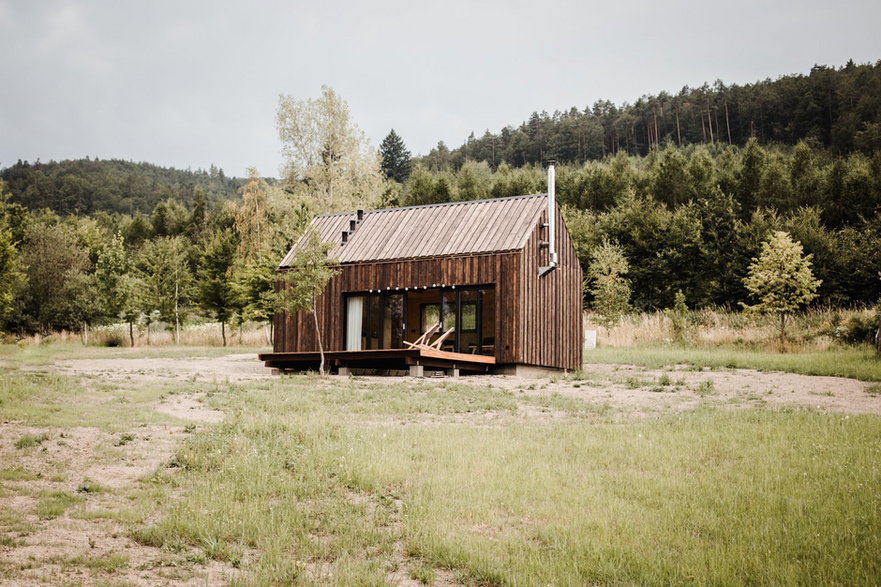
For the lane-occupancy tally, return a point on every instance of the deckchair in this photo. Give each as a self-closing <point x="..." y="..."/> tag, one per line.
<point x="440" y="339"/>
<point x="422" y="341"/>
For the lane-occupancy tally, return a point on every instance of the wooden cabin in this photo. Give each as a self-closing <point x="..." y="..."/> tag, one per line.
<point x="499" y="283"/>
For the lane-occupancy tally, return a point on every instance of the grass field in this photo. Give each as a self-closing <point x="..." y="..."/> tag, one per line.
<point x="859" y="362"/>
<point x="324" y="481"/>
<point x="365" y="481"/>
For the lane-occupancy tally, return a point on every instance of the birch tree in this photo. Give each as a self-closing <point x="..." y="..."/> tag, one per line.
<point x="327" y="157"/>
<point x="305" y="280"/>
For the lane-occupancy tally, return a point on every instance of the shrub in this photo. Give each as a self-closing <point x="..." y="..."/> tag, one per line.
<point x="859" y="329"/>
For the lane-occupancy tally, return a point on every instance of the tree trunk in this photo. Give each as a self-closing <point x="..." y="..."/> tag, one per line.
<point x="223" y="331"/>
<point x="85" y="333"/>
<point x="318" y="336"/>
<point x="727" y="122"/>
<point x="176" y="317"/>
<point x="131" y="332"/>
<point x="267" y="331"/>
<point x="718" y="132"/>
<point x="878" y="340"/>
<point x="678" y="131"/>
<point x="710" y="124"/>
<point x="782" y="328"/>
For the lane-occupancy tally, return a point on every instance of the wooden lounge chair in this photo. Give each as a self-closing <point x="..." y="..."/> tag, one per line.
<point x="440" y="339"/>
<point x="422" y="341"/>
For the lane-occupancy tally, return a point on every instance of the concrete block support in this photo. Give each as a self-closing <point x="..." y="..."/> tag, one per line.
<point x="417" y="371"/>
<point x="345" y="371"/>
<point x="454" y="373"/>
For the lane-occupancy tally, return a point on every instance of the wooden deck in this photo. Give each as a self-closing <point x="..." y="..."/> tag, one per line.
<point x="380" y="359"/>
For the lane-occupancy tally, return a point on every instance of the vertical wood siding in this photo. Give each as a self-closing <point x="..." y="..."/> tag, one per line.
<point x="551" y="305"/>
<point x="538" y="319"/>
<point x="297" y="333"/>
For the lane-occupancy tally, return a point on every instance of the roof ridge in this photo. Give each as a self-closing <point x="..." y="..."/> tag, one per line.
<point x="438" y="205"/>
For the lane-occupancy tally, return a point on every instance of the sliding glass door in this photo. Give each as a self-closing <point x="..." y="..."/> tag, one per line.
<point x="375" y="321"/>
<point x="387" y="320"/>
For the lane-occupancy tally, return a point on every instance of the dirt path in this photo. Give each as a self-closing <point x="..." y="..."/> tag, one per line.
<point x="636" y="390"/>
<point x="229" y="368"/>
<point x="92" y="477"/>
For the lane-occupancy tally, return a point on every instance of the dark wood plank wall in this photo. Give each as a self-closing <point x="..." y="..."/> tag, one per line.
<point x="502" y="270"/>
<point x="551" y="308"/>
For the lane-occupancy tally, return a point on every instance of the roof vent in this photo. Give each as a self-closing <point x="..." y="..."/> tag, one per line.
<point x="345" y="236"/>
<point x="352" y="225"/>
<point x="359" y="214"/>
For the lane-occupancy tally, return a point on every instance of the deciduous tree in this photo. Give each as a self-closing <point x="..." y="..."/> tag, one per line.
<point x="607" y="282"/>
<point x="305" y="279"/>
<point x="328" y="158"/>
<point x="117" y="285"/>
<point x="780" y="278"/>
<point x="164" y="269"/>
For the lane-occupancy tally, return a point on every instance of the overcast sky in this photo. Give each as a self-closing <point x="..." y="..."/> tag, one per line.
<point x="191" y="83"/>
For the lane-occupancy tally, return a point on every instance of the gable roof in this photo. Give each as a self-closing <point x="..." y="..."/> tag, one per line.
<point x="454" y="228"/>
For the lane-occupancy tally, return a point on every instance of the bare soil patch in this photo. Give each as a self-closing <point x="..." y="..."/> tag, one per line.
<point x="636" y="390"/>
<point x="229" y="368"/>
<point x="94" y="474"/>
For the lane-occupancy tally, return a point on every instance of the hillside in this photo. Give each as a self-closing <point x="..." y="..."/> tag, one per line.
<point x="86" y="186"/>
<point x="839" y="109"/>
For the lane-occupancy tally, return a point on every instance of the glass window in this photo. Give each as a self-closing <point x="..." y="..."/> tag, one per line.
<point x="393" y="326"/>
<point x="488" y="322"/>
<point x="430" y="315"/>
<point x="354" y="319"/>
<point x="371" y="323"/>
<point x="469" y="316"/>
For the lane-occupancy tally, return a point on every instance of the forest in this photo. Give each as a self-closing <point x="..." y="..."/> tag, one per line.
<point x="835" y="108"/>
<point x="687" y="187"/>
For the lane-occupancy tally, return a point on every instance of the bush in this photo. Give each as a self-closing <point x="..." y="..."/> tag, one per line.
<point x="859" y="329"/>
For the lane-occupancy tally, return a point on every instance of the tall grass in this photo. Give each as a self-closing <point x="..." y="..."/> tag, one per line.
<point x="812" y="330"/>
<point x="820" y="342"/>
<point x="250" y="334"/>
<point x="308" y="482"/>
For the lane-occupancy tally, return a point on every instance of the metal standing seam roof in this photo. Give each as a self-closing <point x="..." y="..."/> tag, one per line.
<point x="454" y="228"/>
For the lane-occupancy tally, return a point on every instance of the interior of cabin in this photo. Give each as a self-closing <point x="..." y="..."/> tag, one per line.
<point x="459" y="319"/>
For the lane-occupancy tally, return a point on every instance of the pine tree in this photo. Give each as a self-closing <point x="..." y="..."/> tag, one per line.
<point x="9" y="269"/>
<point x="215" y="291"/>
<point x="395" y="157"/>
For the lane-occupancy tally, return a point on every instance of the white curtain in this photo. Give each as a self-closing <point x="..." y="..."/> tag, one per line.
<point x="354" y="314"/>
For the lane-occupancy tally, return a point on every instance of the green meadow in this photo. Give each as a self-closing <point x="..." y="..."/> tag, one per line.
<point x="359" y="481"/>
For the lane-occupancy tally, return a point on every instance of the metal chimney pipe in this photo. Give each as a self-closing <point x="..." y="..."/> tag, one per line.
<point x="551" y="224"/>
<point x="359" y="214"/>
<point x="552" y="216"/>
<point x="345" y="236"/>
<point x="352" y="225"/>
